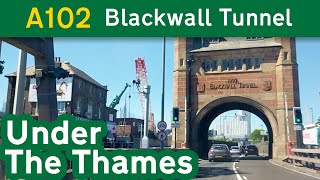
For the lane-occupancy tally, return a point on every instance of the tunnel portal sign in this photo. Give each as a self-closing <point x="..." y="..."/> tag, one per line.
<point x="236" y="84"/>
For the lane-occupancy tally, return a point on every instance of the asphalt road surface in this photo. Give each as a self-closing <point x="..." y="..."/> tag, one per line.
<point x="247" y="168"/>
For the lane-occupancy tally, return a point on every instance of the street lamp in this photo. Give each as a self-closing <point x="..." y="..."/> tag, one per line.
<point x="163" y="84"/>
<point x="146" y="92"/>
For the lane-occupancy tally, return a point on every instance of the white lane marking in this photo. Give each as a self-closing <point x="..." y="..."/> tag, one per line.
<point x="244" y="177"/>
<point x="235" y="170"/>
<point x="294" y="170"/>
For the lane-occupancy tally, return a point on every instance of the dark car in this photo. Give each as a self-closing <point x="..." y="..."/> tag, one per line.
<point x="251" y="150"/>
<point x="219" y="152"/>
<point x="242" y="151"/>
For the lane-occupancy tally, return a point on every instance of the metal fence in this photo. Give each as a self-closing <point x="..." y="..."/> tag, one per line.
<point x="307" y="157"/>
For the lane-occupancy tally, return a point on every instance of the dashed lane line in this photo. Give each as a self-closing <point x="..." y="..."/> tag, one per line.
<point x="235" y="170"/>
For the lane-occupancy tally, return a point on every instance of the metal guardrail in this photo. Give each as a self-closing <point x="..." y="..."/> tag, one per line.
<point x="118" y="144"/>
<point x="311" y="157"/>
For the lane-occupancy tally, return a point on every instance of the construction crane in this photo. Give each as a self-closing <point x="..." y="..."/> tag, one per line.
<point x="141" y="74"/>
<point x="116" y="100"/>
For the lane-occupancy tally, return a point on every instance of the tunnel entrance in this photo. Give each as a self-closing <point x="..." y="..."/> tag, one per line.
<point x="239" y="128"/>
<point x="200" y="127"/>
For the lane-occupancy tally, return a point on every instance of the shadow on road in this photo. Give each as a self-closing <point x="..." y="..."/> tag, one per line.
<point x="207" y="172"/>
<point x="254" y="158"/>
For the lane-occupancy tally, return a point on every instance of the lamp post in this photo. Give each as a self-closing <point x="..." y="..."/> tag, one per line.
<point x="145" y="139"/>
<point x="146" y="92"/>
<point x="163" y="84"/>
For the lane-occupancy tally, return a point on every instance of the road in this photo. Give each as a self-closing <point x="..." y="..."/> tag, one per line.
<point x="246" y="168"/>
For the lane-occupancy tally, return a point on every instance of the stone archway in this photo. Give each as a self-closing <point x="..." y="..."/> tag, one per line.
<point x="202" y="121"/>
<point x="215" y="75"/>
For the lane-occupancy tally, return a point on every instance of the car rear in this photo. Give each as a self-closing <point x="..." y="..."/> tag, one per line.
<point x="251" y="150"/>
<point x="235" y="150"/>
<point x="219" y="152"/>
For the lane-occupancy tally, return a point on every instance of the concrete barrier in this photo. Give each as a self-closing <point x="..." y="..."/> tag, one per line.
<point x="263" y="147"/>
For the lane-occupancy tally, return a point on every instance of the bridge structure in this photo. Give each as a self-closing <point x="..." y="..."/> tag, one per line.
<point x="43" y="51"/>
<point x="218" y="74"/>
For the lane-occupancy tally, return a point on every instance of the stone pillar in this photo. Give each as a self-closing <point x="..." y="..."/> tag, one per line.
<point x="287" y="82"/>
<point x="180" y="87"/>
<point x="46" y="92"/>
<point x="10" y="94"/>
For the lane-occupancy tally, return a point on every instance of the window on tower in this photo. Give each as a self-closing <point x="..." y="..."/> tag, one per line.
<point x="232" y="64"/>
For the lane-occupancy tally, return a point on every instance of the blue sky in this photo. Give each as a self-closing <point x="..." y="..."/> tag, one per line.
<point x="111" y="62"/>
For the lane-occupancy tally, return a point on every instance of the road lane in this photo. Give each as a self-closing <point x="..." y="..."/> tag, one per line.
<point x="246" y="168"/>
<point x="259" y="168"/>
<point x="216" y="170"/>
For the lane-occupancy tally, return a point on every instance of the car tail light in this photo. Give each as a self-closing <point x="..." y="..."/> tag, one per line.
<point x="210" y="151"/>
<point x="246" y="149"/>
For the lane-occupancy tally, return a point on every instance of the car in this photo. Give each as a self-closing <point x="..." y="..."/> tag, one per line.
<point x="242" y="151"/>
<point x="235" y="150"/>
<point x="251" y="150"/>
<point x="219" y="152"/>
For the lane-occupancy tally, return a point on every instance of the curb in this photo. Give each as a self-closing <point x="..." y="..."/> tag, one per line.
<point x="301" y="170"/>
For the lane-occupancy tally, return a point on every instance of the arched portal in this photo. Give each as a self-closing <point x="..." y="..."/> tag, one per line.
<point x="199" y="130"/>
<point x="215" y="75"/>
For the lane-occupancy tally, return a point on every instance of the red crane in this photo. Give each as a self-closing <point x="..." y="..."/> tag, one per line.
<point x="141" y="74"/>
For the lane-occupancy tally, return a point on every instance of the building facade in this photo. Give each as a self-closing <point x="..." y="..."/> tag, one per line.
<point x="235" y="127"/>
<point x="78" y="94"/>
<point x="128" y="128"/>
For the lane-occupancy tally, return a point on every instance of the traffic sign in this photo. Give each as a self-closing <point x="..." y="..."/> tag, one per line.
<point x="175" y="124"/>
<point x="162" y="125"/>
<point x="162" y="136"/>
<point x="297" y="127"/>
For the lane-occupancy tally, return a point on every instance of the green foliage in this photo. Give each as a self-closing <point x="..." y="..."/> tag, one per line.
<point x="1" y="66"/>
<point x="318" y="122"/>
<point x="256" y="135"/>
<point x="151" y="135"/>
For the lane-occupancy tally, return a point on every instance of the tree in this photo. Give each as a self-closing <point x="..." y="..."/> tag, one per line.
<point x="318" y="122"/>
<point x="151" y="135"/>
<point x="1" y="67"/>
<point x="256" y="135"/>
